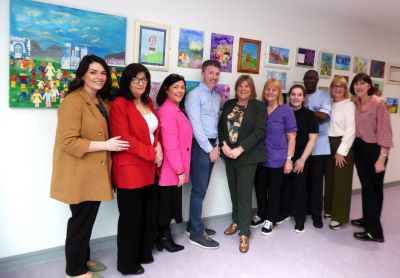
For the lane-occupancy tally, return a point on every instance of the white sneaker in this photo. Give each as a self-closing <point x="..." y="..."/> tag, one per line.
<point x="267" y="228"/>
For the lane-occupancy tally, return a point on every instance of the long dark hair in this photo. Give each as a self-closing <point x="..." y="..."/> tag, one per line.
<point x="362" y="77"/>
<point x="78" y="82"/>
<point x="169" y="81"/>
<point x="131" y="71"/>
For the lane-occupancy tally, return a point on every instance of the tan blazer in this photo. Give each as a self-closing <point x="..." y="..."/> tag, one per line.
<point x="79" y="176"/>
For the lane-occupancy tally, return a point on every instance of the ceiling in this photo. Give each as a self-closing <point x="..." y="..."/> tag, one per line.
<point x="381" y="13"/>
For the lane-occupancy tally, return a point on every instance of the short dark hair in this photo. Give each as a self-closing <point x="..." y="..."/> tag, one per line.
<point x="78" y="82"/>
<point x="311" y="71"/>
<point x="213" y="63"/>
<point x="131" y="71"/>
<point x="362" y="77"/>
<point x="169" y="81"/>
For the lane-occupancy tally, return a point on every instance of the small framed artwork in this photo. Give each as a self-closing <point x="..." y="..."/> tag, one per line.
<point x="305" y="57"/>
<point x="277" y="57"/>
<point x="342" y="62"/>
<point x="360" y="64"/>
<point x="278" y="75"/>
<point x="249" y="56"/>
<point x="392" y="104"/>
<point x="377" y="69"/>
<point x="222" y="50"/>
<point x="190" y="48"/>
<point x="325" y="64"/>
<point x="152" y="45"/>
<point x="393" y="75"/>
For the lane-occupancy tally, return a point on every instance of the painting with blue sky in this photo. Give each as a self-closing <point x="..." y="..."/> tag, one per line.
<point x="342" y="62"/>
<point x="249" y="55"/>
<point x="190" y="48"/>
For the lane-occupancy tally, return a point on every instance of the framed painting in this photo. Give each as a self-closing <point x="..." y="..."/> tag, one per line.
<point x="393" y="75"/>
<point x="360" y="64"/>
<point x="392" y="104"/>
<point x="325" y="64"/>
<point x="249" y="56"/>
<point x="190" y="48"/>
<point x="305" y="57"/>
<point x="222" y="50"/>
<point x="278" y="75"/>
<point x="277" y="57"/>
<point x="190" y="85"/>
<point x="377" y="69"/>
<point x="342" y="62"/>
<point x="152" y="45"/>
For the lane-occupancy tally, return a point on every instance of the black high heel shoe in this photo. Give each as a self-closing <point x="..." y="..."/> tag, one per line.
<point x="165" y="241"/>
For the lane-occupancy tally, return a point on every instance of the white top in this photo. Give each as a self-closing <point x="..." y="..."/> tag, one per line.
<point x="343" y="124"/>
<point x="152" y="123"/>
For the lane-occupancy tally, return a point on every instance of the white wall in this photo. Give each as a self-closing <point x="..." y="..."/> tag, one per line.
<point x="31" y="221"/>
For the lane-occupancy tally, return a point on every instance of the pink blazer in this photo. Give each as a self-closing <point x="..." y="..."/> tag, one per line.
<point x="176" y="137"/>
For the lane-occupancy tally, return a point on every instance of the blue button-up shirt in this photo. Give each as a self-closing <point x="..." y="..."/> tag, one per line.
<point x="202" y="109"/>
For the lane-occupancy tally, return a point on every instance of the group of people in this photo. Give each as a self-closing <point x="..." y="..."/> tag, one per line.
<point x="281" y="149"/>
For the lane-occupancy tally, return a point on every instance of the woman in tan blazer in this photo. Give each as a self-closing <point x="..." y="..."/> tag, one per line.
<point x="82" y="161"/>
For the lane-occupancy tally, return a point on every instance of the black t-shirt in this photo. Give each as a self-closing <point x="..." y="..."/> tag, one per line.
<point x="306" y="123"/>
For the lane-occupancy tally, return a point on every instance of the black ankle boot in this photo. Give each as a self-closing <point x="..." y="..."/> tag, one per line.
<point x="165" y="242"/>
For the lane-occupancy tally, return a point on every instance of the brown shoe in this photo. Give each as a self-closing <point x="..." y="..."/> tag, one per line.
<point x="232" y="229"/>
<point x="244" y="244"/>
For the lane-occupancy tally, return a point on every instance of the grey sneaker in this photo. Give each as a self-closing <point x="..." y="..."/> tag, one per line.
<point x="204" y="241"/>
<point x="209" y="232"/>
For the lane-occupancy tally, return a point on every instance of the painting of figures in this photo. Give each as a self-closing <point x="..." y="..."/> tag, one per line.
<point x="278" y="57"/>
<point x="249" y="55"/>
<point x="305" y="57"/>
<point x="392" y="104"/>
<point x="342" y="62"/>
<point x="190" y="48"/>
<point x="377" y="69"/>
<point x="325" y="64"/>
<point x="360" y="64"/>
<point x="47" y="43"/>
<point x="222" y="50"/>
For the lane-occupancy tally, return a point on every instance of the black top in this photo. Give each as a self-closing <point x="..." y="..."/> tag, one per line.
<point x="306" y="123"/>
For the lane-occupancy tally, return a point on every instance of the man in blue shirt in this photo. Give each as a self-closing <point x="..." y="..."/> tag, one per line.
<point x="319" y="102"/>
<point x="202" y="108"/>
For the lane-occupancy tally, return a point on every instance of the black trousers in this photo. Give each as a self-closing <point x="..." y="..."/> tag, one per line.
<point x="137" y="226"/>
<point x="316" y="184"/>
<point x="79" y="230"/>
<point x="268" y="186"/>
<point x="365" y="156"/>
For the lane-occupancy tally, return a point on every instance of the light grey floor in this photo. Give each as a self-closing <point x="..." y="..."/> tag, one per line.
<point x="284" y="253"/>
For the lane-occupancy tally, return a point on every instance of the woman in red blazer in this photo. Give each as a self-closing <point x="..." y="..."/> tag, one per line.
<point x="176" y="134"/>
<point x="133" y="118"/>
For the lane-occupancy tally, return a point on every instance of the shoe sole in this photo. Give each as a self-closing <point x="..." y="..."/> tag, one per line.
<point x="283" y="220"/>
<point x="265" y="234"/>
<point x="370" y="239"/>
<point x="299" y="231"/>
<point x="358" y="226"/>
<point x="188" y="234"/>
<point x="335" y="227"/>
<point x="202" y="246"/>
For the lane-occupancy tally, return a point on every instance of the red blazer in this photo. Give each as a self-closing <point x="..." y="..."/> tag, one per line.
<point x="135" y="167"/>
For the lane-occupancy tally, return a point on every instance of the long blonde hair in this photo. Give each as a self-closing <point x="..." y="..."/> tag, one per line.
<point x="272" y="83"/>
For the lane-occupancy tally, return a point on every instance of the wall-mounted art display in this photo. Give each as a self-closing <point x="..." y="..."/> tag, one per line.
<point x="154" y="88"/>
<point x="278" y="75"/>
<point x="360" y="64"/>
<point x="278" y="57"/>
<point x="379" y="85"/>
<point x="152" y="45"/>
<point x="47" y="42"/>
<point x="305" y="57"/>
<point x="249" y="55"/>
<point x="342" y="62"/>
<point x="224" y="90"/>
<point x="393" y="75"/>
<point x="190" y="48"/>
<point x="190" y="85"/>
<point x="222" y="50"/>
<point x="377" y="69"/>
<point x="325" y="64"/>
<point x="392" y="104"/>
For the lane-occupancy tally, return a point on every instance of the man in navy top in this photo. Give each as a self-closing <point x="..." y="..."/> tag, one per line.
<point x="202" y="108"/>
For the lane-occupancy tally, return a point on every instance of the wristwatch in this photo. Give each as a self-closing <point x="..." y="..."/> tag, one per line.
<point x="289" y="158"/>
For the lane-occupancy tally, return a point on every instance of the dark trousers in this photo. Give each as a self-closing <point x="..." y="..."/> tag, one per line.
<point x="268" y="186"/>
<point x="365" y="156"/>
<point x="79" y="230"/>
<point x="240" y="181"/>
<point x="286" y="199"/>
<point x="298" y="187"/>
<point x="316" y="184"/>
<point x="137" y="226"/>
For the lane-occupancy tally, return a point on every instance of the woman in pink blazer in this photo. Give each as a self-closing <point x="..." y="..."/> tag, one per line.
<point x="176" y="137"/>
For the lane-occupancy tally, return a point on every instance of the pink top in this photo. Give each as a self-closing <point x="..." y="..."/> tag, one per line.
<point x="373" y="125"/>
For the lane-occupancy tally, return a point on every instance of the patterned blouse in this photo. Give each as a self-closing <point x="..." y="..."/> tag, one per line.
<point x="234" y="121"/>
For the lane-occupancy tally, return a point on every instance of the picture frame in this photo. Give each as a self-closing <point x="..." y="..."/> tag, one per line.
<point x="221" y="50"/>
<point x="377" y="69"/>
<point x="190" y="48"/>
<point x="277" y="57"/>
<point x="152" y="45"/>
<point x="281" y="76"/>
<point x="249" y="56"/>
<point x="393" y="74"/>
<point x="305" y="57"/>
<point x="325" y="64"/>
<point x="360" y="64"/>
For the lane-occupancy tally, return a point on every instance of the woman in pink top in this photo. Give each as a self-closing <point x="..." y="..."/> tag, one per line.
<point x="176" y="136"/>
<point x="371" y="149"/>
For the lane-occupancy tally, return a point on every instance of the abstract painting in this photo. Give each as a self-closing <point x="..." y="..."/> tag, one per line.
<point x="222" y="50"/>
<point x="325" y="64"/>
<point x="342" y="62"/>
<point x="305" y="57"/>
<point x="360" y="64"/>
<point x="190" y="48"/>
<point x="377" y="69"/>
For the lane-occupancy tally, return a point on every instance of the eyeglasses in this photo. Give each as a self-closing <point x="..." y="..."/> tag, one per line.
<point x="136" y="80"/>
<point x="337" y="87"/>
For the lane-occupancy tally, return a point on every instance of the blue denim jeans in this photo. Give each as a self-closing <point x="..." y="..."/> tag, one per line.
<point x="200" y="173"/>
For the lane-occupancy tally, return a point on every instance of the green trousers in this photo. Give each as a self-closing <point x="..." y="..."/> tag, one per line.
<point x="338" y="184"/>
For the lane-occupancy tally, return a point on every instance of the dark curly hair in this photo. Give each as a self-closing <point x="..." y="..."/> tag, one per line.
<point x="131" y="71"/>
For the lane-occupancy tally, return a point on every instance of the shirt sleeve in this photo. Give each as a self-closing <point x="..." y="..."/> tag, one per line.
<point x="326" y="104"/>
<point x="312" y="122"/>
<point x="350" y="129"/>
<point x="290" y="121"/>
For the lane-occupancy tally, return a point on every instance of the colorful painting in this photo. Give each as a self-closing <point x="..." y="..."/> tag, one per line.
<point x="152" y="45"/>
<point x="305" y="57"/>
<point x="224" y="91"/>
<point x="190" y="48"/>
<point x="342" y="62"/>
<point x="190" y="85"/>
<point x="377" y="69"/>
<point x="47" y="42"/>
<point x="278" y="57"/>
<point x="392" y="104"/>
<point x="154" y="88"/>
<point x="360" y="64"/>
<point x="278" y="75"/>
<point x="222" y="50"/>
<point x="325" y="64"/>
<point x="249" y="55"/>
<point x="379" y="85"/>
<point x="393" y="76"/>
